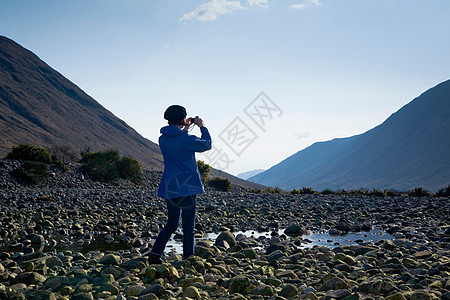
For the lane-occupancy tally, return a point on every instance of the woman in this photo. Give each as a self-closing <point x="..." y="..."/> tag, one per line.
<point x="181" y="181"/>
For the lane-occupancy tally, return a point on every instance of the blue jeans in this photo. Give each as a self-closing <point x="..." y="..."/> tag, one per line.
<point x="176" y="207"/>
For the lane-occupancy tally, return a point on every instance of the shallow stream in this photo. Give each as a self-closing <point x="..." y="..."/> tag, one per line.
<point x="309" y="239"/>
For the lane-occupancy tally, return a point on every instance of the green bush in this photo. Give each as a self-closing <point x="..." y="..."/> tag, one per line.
<point x="304" y="191"/>
<point x="270" y="190"/>
<point x="130" y="169"/>
<point x="204" y="170"/>
<point x="223" y="184"/>
<point x="444" y="192"/>
<point x="328" y="192"/>
<point x="419" y="192"/>
<point x="393" y="193"/>
<point x="294" y="191"/>
<point x="308" y="191"/>
<point x="354" y="192"/>
<point x="101" y="166"/>
<point x="32" y="172"/>
<point x="108" y="166"/>
<point x="377" y="193"/>
<point x="29" y="152"/>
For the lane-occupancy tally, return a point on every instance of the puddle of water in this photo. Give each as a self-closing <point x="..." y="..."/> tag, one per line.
<point x="309" y="240"/>
<point x="325" y="239"/>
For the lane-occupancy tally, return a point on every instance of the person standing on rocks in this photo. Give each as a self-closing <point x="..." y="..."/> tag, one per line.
<point x="181" y="181"/>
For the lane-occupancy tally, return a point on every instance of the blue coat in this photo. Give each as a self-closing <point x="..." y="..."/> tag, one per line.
<point x="181" y="176"/>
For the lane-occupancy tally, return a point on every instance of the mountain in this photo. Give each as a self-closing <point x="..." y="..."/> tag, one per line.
<point x="40" y="106"/>
<point x="410" y="149"/>
<point x="248" y="174"/>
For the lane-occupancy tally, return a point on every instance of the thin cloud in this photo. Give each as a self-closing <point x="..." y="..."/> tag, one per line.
<point x="306" y="3"/>
<point x="302" y="135"/>
<point x="298" y="6"/>
<point x="210" y="11"/>
<point x="257" y="3"/>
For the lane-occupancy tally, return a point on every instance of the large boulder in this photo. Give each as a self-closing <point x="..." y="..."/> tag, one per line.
<point x="107" y="287"/>
<point x="54" y="261"/>
<point x="377" y="286"/>
<point x="293" y="230"/>
<point x="30" y="278"/>
<point x="191" y="292"/>
<point x="110" y="259"/>
<point x="56" y="283"/>
<point x="226" y="236"/>
<point x="155" y="289"/>
<point x="239" y="284"/>
<point x="37" y="239"/>
<point x="334" y="283"/>
<point x="136" y="263"/>
<point x="263" y="290"/>
<point x="134" y="290"/>
<point x="185" y="282"/>
<point x="82" y="296"/>
<point x="167" y="271"/>
<point x="288" y="291"/>
<point x="40" y="295"/>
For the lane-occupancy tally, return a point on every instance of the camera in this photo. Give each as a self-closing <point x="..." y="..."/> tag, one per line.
<point x="191" y="120"/>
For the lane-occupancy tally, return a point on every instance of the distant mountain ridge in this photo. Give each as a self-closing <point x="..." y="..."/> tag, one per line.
<point x="248" y="174"/>
<point x="410" y="149"/>
<point x="40" y="106"/>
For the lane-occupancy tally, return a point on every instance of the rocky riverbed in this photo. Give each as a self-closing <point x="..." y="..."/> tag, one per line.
<point x="72" y="238"/>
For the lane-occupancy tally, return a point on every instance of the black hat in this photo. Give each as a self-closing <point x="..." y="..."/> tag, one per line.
<point x="175" y="113"/>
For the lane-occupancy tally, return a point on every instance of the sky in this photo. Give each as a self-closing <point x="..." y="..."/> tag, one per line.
<point x="268" y="78"/>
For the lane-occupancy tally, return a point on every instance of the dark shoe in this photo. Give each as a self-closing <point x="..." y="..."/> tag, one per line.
<point x="154" y="259"/>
